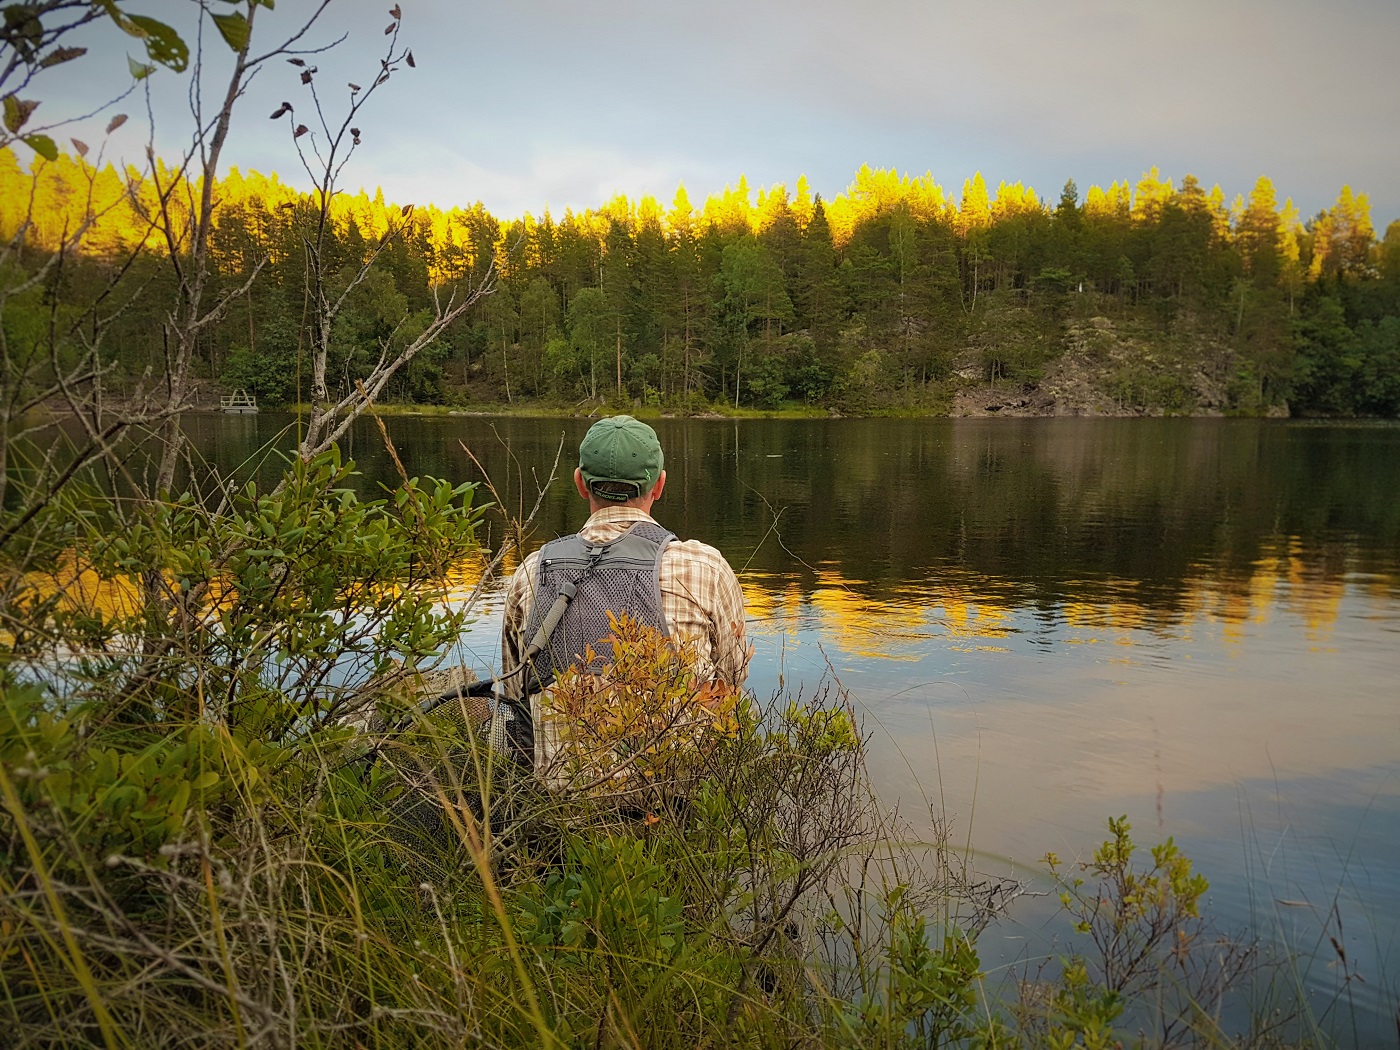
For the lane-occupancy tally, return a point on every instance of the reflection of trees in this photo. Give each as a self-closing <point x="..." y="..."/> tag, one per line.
<point x="1151" y="523"/>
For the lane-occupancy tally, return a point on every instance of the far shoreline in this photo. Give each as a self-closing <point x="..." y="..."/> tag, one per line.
<point x="536" y="410"/>
<point x="539" y="411"/>
<point x="990" y="403"/>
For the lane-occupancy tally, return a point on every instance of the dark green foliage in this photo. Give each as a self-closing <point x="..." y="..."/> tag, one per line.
<point x="1327" y="367"/>
<point x="608" y="893"/>
<point x="1378" y="349"/>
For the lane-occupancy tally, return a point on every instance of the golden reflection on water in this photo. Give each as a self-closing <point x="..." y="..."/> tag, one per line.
<point x="1281" y="580"/>
<point x="76" y="586"/>
<point x="970" y="613"/>
<point x="1209" y="612"/>
<point x="834" y="605"/>
<point x="464" y="577"/>
<point x="1283" y="671"/>
<point x="844" y="612"/>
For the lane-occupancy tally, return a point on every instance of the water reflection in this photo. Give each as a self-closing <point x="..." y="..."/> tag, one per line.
<point x="1030" y="510"/>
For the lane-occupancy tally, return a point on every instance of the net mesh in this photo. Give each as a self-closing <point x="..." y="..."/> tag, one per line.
<point x="456" y="734"/>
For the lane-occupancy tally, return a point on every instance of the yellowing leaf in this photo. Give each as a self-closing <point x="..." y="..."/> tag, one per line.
<point x="17" y="112"/>
<point x="60" y="55"/>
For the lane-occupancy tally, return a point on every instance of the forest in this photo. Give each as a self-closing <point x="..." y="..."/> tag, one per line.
<point x="893" y="296"/>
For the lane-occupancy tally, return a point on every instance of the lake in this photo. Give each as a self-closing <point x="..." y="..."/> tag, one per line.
<point x="1047" y="622"/>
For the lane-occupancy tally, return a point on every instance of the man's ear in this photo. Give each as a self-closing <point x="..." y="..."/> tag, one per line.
<point x="579" y="484"/>
<point x="660" y="484"/>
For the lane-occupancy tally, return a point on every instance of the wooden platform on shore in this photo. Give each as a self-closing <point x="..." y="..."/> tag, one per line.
<point x="238" y="403"/>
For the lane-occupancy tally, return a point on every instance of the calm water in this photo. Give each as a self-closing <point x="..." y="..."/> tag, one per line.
<point x="1048" y="622"/>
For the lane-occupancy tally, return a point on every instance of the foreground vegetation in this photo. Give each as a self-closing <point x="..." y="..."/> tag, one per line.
<point x="225" y="823"/>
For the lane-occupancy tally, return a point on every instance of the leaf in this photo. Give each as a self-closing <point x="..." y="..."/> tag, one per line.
<point x="17" y="112"/>
<point x="300" y="131"/>
<point x="115" y="123"/>
<point x="163" y="44"/>
<point x="306" y="76"/>
<point x="354" y="87"/>
<point x="60" y="55"/>
<point x="284" y="108"/>
<point x="120" y="20"/>
<point x="234" y="29"/>
<point x="409" y="59"/>
<point x="390" y="28"/>
<point x="406" y="210"/>
<point x="395" y="13"/>
<point x="42" y="145"/>
<point x="80" y="146"/>
<point x="139" y="70"/>
<point x="296" y="62"/>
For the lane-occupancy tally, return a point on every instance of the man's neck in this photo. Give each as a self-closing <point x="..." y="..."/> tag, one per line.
<point x="643" y="505"/>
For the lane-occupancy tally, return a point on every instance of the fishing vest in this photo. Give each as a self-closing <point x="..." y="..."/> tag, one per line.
<point x="620" y="575"/>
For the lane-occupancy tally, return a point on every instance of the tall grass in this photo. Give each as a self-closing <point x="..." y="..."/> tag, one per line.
<point x="307" y="900"/>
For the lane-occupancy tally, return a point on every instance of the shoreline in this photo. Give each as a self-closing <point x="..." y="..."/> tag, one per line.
<point x="1015" y="411"/>
<point x="546" y="411"/>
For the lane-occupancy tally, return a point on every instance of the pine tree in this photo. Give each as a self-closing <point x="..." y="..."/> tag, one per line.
<point x="818" y="307"/>
<point x="1259" y="235"/>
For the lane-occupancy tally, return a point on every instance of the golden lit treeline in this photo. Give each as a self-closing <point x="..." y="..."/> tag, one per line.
<point x="893" y="294"/>
<point x="57" y="198"/>
<point x="115" y="210"/>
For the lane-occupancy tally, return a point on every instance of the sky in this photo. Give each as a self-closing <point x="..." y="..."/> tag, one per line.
<point x="531" y="104"/>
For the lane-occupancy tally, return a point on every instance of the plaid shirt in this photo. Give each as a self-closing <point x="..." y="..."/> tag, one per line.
<point x="700" y="597"/>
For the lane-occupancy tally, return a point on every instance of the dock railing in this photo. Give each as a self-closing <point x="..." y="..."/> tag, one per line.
<point x="240" y="401"/>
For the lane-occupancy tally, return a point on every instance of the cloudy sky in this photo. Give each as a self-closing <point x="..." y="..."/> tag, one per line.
<point x="567" y="102"/>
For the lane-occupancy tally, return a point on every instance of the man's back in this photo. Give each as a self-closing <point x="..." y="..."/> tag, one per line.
<point x="700" y="599"/>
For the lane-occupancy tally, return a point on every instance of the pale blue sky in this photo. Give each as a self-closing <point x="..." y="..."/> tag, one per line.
<point x="567" y="102"/>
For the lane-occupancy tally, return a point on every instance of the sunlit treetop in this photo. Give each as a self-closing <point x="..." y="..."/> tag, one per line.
<point x="59" y="196"/>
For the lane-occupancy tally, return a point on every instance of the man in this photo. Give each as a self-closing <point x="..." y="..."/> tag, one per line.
<point x="621" y="561"/>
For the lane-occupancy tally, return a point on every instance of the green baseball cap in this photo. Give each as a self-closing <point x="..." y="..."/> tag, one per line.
<point x="620" y="449"/>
